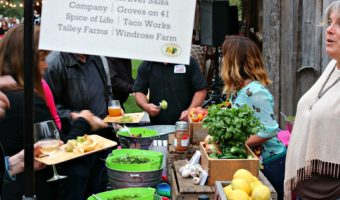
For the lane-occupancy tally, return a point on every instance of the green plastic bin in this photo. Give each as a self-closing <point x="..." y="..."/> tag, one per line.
<point x="145" y="132"/>
<point x="149" y="166"/>
<point x="143" y="193"/>
<point x="133" y="152"/>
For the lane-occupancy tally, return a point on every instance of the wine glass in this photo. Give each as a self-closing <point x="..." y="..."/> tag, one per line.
<point x="47" y="135"/>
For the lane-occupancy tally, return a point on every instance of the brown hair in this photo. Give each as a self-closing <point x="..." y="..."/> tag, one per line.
<point x="242" y="60"/>
<point x="12" y="57"/>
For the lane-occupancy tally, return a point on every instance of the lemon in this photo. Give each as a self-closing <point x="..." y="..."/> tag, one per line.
<point x="238" y="195"/>
<point x="227" y="191"/>
<point x="241" y="184"/>
<point x="261" y="192"/>
<point x="254" y="184"/>
<point x="255" y="178"/>
<point x="244" y="174"/>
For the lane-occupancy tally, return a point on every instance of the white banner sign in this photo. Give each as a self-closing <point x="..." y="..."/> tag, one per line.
<point x="155" y="30"/>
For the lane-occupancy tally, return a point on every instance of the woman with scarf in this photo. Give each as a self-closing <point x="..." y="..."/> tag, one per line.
<point x="313" y="161"/>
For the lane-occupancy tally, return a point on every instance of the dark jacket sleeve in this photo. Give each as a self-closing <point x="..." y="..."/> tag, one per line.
<point x="120" y="73"/>
<point x="2" y="168"/>
<point x="54" y="78"/>
<point x="121" y="78"/>
<point x="79" y="128"/>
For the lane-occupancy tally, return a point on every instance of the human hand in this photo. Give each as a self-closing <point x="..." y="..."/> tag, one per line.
<point x="37" y="146"/>
<point x="17" y="161"/>
<point x="94" y="121"/>
<point x="4" y="104"/>
<point x="74" y="115"/>
<point x="184" y="116"/>
<point x="152" y="109"/>
<point x="8" y="83"/>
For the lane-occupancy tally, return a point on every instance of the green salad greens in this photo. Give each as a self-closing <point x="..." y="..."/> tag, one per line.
<point x="125" y="197"/>
<point x="126" y="119"/>
<point x="131" y="160"/>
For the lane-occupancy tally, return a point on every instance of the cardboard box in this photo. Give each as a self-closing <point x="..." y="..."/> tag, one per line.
<point x="184" y="188"/>
<point x="197" y="132"/>
<point x="220" y="194"/>
<point x="224" y="169"/>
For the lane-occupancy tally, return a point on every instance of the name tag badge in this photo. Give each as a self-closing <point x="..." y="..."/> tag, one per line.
<point x="180" y="69"/>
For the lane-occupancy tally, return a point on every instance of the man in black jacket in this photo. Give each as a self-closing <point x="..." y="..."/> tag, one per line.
<point x="121" y="78"/>
<point x="79" y="82"/>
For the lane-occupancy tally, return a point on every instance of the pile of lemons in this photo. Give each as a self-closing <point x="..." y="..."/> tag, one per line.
<point x="245" y="186"/>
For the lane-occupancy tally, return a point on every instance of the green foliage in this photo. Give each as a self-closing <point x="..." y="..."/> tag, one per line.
<point x="130" y="105"/>
<point x="239" y="4"/>
<point x="135" y="65"/>
<point x="230" y="127"/>
<point x="290" y="118"/>
<point x="7" y="11"/>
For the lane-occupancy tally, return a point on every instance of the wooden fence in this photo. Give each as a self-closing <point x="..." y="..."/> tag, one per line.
<point x="293" y="43"/>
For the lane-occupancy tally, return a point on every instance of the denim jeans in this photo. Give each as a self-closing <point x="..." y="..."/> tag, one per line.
<point x="274" y="171"/>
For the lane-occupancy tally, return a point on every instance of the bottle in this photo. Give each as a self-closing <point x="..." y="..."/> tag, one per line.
<point x="182" y="136"/>
<point x="203" y="197"/>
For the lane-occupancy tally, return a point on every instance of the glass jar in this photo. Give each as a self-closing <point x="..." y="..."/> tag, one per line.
<point x="182" y="136"/>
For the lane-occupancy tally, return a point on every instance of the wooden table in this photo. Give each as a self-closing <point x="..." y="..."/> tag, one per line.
<point x="173" y="156"/>
<point x="184" y="188"/>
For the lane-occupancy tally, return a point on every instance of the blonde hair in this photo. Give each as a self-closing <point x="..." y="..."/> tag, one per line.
<point x="12" y="57"/>
<point x="242" y="60"/>
<point x="333" y="7"/>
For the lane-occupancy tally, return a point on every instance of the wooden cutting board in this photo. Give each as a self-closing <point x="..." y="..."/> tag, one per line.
<point x="136" y="118"/>
<point x="62" y="156"/>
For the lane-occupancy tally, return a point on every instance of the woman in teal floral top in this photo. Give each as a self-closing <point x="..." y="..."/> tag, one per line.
<point x="245" y="79"/>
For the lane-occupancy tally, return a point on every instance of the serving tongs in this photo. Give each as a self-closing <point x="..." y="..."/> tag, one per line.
<point x="96" y="197"/>
<point x="125" y="128"/>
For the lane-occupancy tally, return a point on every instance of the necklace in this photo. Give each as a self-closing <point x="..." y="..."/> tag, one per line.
<point x="323" y="90"/>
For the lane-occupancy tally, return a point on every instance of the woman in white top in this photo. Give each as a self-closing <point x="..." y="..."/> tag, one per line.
<point x="313" y="160"/>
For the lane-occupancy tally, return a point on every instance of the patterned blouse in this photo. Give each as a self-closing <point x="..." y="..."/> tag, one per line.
<point x="256" y="96"/>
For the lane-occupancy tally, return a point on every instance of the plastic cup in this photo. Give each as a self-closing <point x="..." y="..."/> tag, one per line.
<point x="114" y="108"/>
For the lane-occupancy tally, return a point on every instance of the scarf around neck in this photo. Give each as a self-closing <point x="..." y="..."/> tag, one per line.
<point x="315" y="141"/>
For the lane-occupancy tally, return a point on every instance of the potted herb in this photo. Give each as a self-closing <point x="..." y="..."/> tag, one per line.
<point x="230" y="128"/>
